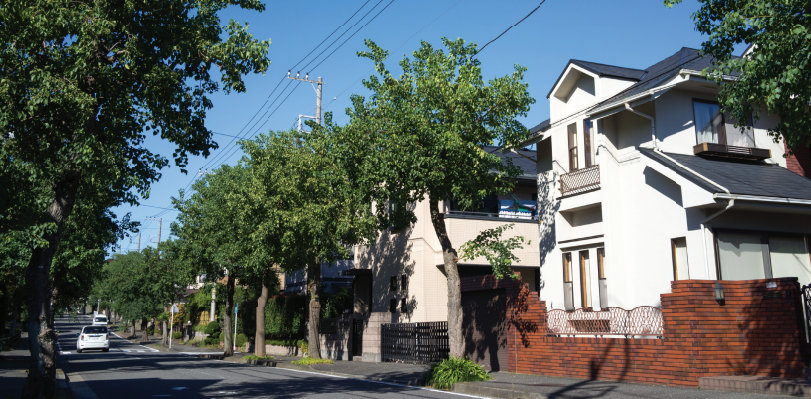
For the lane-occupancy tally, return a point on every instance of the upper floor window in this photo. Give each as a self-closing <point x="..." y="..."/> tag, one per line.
<point x="587" y="142"/>
<point x="572" y="133"/>
<point x="712" y="126"/>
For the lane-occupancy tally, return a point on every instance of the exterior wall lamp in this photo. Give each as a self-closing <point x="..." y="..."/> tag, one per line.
<point x="719" y="293"/>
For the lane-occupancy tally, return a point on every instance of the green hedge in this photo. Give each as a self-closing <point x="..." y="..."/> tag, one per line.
<point x="286" y="317"/>
<point x="284" y="342"/>
<point x="177" y="335"/>
<point x="241" y="339"/>
<point x="212" y="327"/>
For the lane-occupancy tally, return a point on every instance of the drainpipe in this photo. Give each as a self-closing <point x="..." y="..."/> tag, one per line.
<point x="703" y="222"/>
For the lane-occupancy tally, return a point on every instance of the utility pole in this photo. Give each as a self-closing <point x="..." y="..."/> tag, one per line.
<point x="319" y="82"/>
<point x="160" y="224"/>
<point x="139" y="242"/>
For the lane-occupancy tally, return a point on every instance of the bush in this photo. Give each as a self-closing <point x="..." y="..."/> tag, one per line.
<point x="254" y="357"/>
<point x="283" y="342"/>
<point x="199" y="327"/>
<point x="210" y="341"/>
<point x="241" y="339"/>
<point x="308" y="361"/>
<point x="212" y="327"/>
<point x="452" y="370"/>
<point x="302" y="345"/>
<point x="215" y="335"/>
<point x="177" y="335"/>
<point x="150" y="330"/>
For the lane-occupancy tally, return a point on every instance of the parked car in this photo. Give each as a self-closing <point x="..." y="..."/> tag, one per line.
<point x="100" y="320"/>
<point x="93" y="337"/>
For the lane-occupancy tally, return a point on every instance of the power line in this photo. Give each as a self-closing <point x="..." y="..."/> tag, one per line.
<point x="505" y="31"/>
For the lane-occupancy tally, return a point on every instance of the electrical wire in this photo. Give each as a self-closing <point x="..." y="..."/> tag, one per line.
<point x="505" y="31"/>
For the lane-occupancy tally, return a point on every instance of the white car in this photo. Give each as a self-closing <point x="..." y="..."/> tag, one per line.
<point x="93" y="337"/>
<point x="100" y="320"/>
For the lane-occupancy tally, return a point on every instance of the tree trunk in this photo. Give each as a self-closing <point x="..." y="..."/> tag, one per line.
<point x="164" y="341"/>
<point x="14" y="314"/>
<point x="54" y="299"/>
<point x="41" y="380"/>
<point x="132" y="327"/>
<point x="144" y="329"/>
<point x="259" y="341"/>
<point x="450" y="259"/>
<point x="313" y="286"/>
<point x="228" y="341"/>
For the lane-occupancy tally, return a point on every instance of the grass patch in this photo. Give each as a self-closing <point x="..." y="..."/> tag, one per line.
<point x="444" y="374"/>
<point x="308" y="361"/>
<point x="254" y="357"/>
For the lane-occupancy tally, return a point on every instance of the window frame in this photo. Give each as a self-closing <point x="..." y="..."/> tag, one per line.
<point x="764" y="236"/>
<point x="393" y="284"/>
<point x="587" y="152"/>
<point x="673" y="255"/>
<point x="585" y="298"/>
<point x="695" y="124"/>
<point x="572" y="145"/>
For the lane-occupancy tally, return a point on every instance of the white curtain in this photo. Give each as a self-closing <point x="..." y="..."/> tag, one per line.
<point x="680" y="256"/>
<point x="708" y="121"/>
<point x="741" y="256"/>
<point x="789" y="258"/>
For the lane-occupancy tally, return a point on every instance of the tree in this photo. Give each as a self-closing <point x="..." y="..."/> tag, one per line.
<point x="82" y="83"/>
<point x="306" y="208"/>
<point x="776" y="74"/>
<point x="420" y="137"/>
<point x="498" y="252"/>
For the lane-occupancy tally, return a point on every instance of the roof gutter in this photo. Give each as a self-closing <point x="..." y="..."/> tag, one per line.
<point x="731" y="197"/>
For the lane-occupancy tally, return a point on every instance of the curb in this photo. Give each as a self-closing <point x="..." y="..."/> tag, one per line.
<point x="473" y="388"/>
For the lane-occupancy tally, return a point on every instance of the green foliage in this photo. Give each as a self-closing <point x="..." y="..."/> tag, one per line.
<point x="241" y="339"/>
<point x="444" y="374"/>
<point x="199" y="327"/>
<point x="776" y="72"/>
<point x="286" y="317"/>
<point x="333" y="305"/>
<point x="177" y="335"/>
<point x="212" y="327"/>
<point x="285" y="342"/>
<point x="211" y="341"/>
<point x="498" y="252"/>
<point x="303" y="346"/>
<point x="308" y="361"/>
<point x="254" y="357"/>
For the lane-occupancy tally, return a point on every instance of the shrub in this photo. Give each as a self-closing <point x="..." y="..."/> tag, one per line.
<point x="241" y="339"/>
<point x="150" y="330"/>
<point x="215" y="335"/>
<point x="254" y="357"/>
<point x="302" y="345"/>
<point x="308" y="361"/>
<point x="177" y="335"/>
<point x="212" y="327"/>
<point x="286" y="316"/>
<point x="283" y="342"/>
<point x="209" y="341"/>
<point x="199" y="327"/>
<point x="452" y="370"/>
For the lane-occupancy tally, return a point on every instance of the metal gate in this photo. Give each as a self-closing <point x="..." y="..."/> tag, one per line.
<point x="806" y="290"/>
<point x="357" y="337"/>
<point x="414" y="342"/>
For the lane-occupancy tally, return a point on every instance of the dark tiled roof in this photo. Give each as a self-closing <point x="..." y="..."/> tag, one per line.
<point x="662" y="71"/>
<point x="739" y="178"/>
<point x="529" y="167"/>
<point x="542" y="127"/>
<point x="601" y="70"/>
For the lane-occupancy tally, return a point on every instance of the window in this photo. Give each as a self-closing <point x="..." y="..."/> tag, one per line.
<point x="680" y="269"/>
<point x="601" y="277"/>
<point x="393" y="283"/>
<point x="587" y="142"/>
<point x="585" y="298"/>
<point x="392" y="305"/>
<point x="572" y="133"/>
<point x="747" y="255"/>
<point x="403" y="282"/>
<point x="393" y="213"/>
<point x="568" y="289"/>
<point x="714" y="127"/>
<point x="403" y="306"/>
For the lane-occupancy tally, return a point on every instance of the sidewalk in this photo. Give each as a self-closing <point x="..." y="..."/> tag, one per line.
<point x="508" y="385"/>
<point x="14" y="366"/>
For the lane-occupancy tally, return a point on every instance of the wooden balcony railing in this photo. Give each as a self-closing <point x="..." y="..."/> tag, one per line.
<point x="580" y="180"/>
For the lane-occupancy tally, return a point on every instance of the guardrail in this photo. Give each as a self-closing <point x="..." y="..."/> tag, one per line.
<point x="639" y="321"/>
<point x="580" y="180"/>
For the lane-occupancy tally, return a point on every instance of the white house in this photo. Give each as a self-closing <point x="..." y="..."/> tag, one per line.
<point x="643" y="181"/>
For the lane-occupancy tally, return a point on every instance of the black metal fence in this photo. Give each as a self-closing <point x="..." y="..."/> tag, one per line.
<point x="414" y="342"/>
<point x="328" y="326"/>
<point x="357" y="337"/>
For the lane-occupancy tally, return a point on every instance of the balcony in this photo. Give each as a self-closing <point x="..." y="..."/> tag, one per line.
<point x="731" y="152"/>
<point x="580" y="181"/>
<point x="501" y="216"/>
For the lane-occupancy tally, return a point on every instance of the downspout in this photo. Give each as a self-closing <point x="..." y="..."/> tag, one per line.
<point x="703" y="222"/>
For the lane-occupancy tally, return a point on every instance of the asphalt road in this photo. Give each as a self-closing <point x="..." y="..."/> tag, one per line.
<point x="133" y="371"/>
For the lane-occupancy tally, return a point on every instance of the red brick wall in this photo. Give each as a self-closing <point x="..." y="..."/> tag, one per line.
<point x="747" y="335"/>
<point x="799" y="162"/>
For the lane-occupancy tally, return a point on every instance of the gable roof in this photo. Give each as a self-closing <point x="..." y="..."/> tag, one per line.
<point x="759" y="179"/>
<point x="538" y="130"/>
<point x="601" y="70"/>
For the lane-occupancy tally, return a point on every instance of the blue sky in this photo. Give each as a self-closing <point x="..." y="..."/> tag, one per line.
<point x="629" y="33"/>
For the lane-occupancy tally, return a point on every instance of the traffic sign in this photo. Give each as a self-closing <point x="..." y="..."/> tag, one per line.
<point x="236" y="309"/>
<point x="174" y="309"/>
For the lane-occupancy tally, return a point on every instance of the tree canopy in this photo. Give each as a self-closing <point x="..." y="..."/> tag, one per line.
<point x="776" y="73"/>
<point x="421" y="136"/>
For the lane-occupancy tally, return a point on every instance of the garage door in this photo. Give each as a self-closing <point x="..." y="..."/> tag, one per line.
<point x="484" y="324"/>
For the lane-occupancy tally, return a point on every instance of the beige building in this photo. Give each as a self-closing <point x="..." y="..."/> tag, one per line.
<point x="402" y="275"/>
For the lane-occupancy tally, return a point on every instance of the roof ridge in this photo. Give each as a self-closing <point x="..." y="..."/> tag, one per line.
<point x="613" y="66"/>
